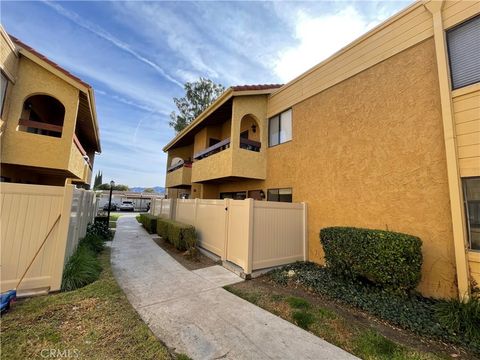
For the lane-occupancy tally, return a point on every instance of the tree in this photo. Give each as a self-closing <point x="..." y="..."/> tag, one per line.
<point x="198" y="96"/>
<point x="149" y="190"/>
<point x="118" y="187"/>
<point x="98" y="180"/>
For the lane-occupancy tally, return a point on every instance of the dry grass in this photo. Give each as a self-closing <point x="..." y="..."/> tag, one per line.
<point x="329" y="325"/>
<point x="95" y="322"/>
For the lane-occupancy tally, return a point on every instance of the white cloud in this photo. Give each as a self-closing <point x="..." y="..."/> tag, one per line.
<point x="318" y="38"/>
<point x="110" y="38"/>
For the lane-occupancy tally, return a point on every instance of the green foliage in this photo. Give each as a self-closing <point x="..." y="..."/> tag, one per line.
<point x="182" y="236"/>
<point x="461" y="317"/>
<point x="149" y="190"/>
<point x="81" y="269"/>
<point x="409" y="311"/>
<point x="100" y="228"/>
<point x="119" y="187"/>
<point x="375" y="346"/>
<point x="303" y="318"/>
<point x="98" y="180"/>
<point x="198" y="96"/>
<point x="149" y="222"/>
<point x="298" y="303"/>
<point x="390" y="260"/>
<point x="93" y="242"/>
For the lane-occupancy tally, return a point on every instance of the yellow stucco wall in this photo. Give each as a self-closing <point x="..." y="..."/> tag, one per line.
<point x="28" y="149"/>
<point x="359" y="161"/>
<point x="179" y="177"/>
<point x="9" y="64"/>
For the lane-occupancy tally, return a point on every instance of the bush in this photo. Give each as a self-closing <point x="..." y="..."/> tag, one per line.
<point x="149" y="222"/>
<point x="81" y="269"/>
<point x="101" y="229"/>
<point x="461" y="317"/>
<point x="390" y="260"/>
<point x="410" y="311"/>
<point x="94" y="242"/>
<point x="180" y="235"/>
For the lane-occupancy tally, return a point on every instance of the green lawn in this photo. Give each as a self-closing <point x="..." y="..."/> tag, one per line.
<point x="94" y="322"/>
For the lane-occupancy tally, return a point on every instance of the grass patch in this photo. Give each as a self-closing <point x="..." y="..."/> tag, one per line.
<point x="114" y="217"/>
<point x="359" y="340"/>
<point x="298" y="303"/>
<point x="81" y="269"/>
<point x="138" y="218"/>
<point x="303" y="318"/>
<point x="96" y="321"/>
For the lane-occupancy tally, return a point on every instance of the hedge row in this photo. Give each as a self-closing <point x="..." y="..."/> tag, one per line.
<point x="387" y="259"/>
<point x="180" y="235"/>
<point x="149" y="222"/>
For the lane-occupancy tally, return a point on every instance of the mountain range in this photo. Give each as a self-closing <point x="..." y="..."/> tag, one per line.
<point x="138" y="189"/>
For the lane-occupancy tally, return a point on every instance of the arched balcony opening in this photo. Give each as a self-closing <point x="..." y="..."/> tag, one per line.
<point x="250" y="134"/>
<point x="42" y="115"/>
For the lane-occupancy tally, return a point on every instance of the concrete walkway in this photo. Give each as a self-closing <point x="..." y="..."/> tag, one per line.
<point x="191" y="313"/>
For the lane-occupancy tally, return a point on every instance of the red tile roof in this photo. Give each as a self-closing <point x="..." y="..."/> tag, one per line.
<point x="256" y="87"/>
<point x="47" y="60"/>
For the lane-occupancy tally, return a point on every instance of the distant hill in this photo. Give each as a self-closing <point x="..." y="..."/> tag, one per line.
<point x="139" y="189"/>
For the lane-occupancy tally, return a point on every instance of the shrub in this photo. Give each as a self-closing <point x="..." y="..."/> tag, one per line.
<point x="303" y="319"/>
<point x="180" y="235"/>
<point x="149" y="222"/>
<point x="81" y="269"/>
<point x="390" y="260"/>
<point x="460" y="317"/>
<point x="94" y="242"/>
<point x="101" y="229"/>
<point x="410" y="311"/>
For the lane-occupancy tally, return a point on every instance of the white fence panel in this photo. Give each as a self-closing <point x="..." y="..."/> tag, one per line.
<point x="28" y="212"/>
<point x="278" y="233"/>
<point x="166" y="210"/>
<point x="185" y="211"/>
<point x="210" y="225"/>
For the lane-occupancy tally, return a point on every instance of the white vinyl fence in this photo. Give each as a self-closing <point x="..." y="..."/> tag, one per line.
<point x="28" y="213"/>
<point x="251" y="234"/>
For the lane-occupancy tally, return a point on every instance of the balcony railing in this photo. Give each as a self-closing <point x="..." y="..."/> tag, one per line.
<point x="81" y="149"/>
<point x="246" y="144"/>
<point x="179" y="165"/>
<point x="37" y="125"/>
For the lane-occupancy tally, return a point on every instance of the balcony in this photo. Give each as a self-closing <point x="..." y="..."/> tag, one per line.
<point x="79" y="163"/>
<point x="179" y="175"/>
<point x="224" y="161"/>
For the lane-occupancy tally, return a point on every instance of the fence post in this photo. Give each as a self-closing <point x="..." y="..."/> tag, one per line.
<point x="62" y="238"/>
<point x="225" y="240"/>
<point x="305" y="232"/>
<point x="251" y="209"/>
<point x="195" y="209"/>
<point x="173" y="209"/>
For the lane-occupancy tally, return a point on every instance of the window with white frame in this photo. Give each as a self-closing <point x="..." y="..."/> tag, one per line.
<point x="463" y="51"/>
<point x="280" y="128"/>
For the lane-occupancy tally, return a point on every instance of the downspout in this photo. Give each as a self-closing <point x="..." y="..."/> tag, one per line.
<point x="454" y="185"/>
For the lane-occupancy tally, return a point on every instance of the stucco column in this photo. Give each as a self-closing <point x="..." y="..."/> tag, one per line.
<point x="454" y="184"/>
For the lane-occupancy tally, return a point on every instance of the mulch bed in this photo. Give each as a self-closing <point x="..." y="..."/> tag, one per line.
<point x="199" y="261"/>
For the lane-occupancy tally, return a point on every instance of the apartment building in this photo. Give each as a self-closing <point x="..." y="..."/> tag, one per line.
<point x="48" y="125"/>
<point x="383" y="134"/>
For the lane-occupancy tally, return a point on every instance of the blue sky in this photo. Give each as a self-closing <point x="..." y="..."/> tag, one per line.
<point x="137" y="55"/>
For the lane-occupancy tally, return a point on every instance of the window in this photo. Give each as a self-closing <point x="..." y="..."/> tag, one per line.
<point x="282" y="195"/>
<point x="463" y="50"/>
<point x="240" y="195"/>
<point x="471" y="193"/>
<point x="280" y="128"/>
<point x="3" y="91"/>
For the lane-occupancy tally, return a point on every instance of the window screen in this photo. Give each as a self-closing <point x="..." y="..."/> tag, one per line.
<point x="463" y="50"/>
<point x="280" y="128"/>
<point x="282" y="195"/>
